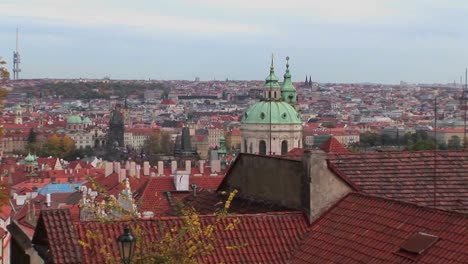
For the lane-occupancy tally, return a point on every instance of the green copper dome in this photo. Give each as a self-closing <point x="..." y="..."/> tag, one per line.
<point x="87" y="120"/>
<point x="17" y="107"/>
<point x="74" y="119"/>
<point x="30" y="158"/>
<point x="281" y="113"/>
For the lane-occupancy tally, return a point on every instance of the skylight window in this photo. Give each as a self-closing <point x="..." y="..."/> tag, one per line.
<point x="418" y="243"/>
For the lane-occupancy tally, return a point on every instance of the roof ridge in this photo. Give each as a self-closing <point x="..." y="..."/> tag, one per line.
<point x="159" y="218"/>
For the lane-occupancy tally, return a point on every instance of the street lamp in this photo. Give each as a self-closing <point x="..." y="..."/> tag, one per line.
<point x="126" y="245"/>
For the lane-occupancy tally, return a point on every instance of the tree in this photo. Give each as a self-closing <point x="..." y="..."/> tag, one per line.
<point x="183" y="240"/>
<point x="59" y="146"/>
<point x="32" y="138"/>
<point x="454" y="143"/>
<point x="159" y="143"/>
<point x="4" y="74"/>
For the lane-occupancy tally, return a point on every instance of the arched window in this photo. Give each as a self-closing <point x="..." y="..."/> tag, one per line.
<point x="245" y="145"/>
<point x="262" y="147"/>
<point x="250" y="148"/>
<point x="284" y="147"/>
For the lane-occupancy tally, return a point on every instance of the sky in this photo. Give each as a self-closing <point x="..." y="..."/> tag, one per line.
<point x="379" y="41"/>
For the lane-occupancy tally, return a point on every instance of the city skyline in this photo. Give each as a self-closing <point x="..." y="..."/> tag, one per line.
<point x="336" y="41"/>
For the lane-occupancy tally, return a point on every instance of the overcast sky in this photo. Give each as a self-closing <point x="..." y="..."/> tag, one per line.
<point x="333" y="40"/>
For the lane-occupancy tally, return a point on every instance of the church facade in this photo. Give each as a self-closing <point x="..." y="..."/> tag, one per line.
<point x="273" y="125"/>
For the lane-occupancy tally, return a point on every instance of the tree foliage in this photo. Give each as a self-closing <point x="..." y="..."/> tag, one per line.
<point x="158" y="144"/>
<point x="412" y="141"/>
<point x="59" y="146"/>
<point x="183" y="241"/>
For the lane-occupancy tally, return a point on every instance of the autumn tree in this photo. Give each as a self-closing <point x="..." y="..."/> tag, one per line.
<point x="182" y="241"/>
<point x="59" y="146"/>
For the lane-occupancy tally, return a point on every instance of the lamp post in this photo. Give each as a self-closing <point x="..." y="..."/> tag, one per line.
<point x="126" y="245"/>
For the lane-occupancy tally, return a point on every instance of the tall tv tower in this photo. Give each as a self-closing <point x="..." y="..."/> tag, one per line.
<point x="16" y="60"/>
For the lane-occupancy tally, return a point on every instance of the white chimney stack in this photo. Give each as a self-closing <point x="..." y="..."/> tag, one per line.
<point x="181" y="181"/>
<point x="173" y="166"/>
<point x="160" y="168"/>
<point x="48" y="200"/>
<point x="108" y="168"/>
<point x="146" y="168"/>
<point x="138" y="171"/>
<point x="122" y="175"/>
<point x="132" y="169"/>
<point x="188" y="166"/>
<point x="215" y="166"/>
<point x="201" y="166"/>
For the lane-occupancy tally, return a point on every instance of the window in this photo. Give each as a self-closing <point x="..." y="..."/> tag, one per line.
<point x="262" y="147"/>
<point x="284" y="147"/>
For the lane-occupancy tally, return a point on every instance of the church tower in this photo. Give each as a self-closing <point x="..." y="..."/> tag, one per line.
<point x="272" y="126"/>
<point x="288" y="91"/>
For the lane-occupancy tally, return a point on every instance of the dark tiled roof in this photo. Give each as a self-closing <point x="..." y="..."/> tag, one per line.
<point x="268" y="238"/>
<point x="206" y="202"/>
<point x="56" y="232"/>
<point x="364" y="229"/>
<point x="409" y="176"/>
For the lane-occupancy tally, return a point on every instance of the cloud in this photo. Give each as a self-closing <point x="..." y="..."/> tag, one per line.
<point x="91" y="13"/>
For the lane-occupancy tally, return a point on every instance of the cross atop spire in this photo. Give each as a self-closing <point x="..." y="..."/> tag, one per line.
<point x="272" y="67"/>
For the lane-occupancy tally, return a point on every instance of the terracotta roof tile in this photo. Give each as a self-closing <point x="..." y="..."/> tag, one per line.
<point x="332" y="145"/>
<point x="364" y="229"/>
<point x="269" y="238"/>
<point x="409" y="176"/>
<point x="56" y="231"/>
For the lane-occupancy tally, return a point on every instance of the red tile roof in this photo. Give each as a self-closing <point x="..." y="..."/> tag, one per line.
<point x="332" y="145"/>
<point x="364" y="229"/>
<point x="154" y="199"/>
<point x="409" y="176"/>
<point x="268" y="238"/>
<point x="56" y="231"/>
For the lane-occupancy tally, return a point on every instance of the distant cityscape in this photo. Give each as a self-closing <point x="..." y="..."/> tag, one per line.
<point x="299" y="165"/>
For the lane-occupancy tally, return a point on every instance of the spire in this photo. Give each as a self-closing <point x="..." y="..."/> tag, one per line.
<point x="288" y="91"/>
<point x="306" y="83"/>
<point x="310" y="81"/>
<point x="271" y="81"/>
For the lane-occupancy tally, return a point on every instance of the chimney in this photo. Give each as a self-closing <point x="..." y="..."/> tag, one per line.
<point x="117" y="167"/>
<point x="173" y="166"/>
<point x="138" y="171"/>
<point x="181" y="181"/>
<point x="188" y="166"/>
<point x="132" y="169"/>
<point x="146" y="168"/>
<point x="215" y="166"/>
<point x="160" y="168"/>
<point x="108" y="168"/>
<point x="48" y="200"/>
<point x="201" y="166"/>
<point x="122" y="175"/>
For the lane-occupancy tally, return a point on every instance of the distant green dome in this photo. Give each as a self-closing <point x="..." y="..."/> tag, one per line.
<point x="30" y="158"/>
<point x="282" y="113"/>
<point x="74" y="119"/>
<point x="17" y="107"/>
<point x="87" y="120"/>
